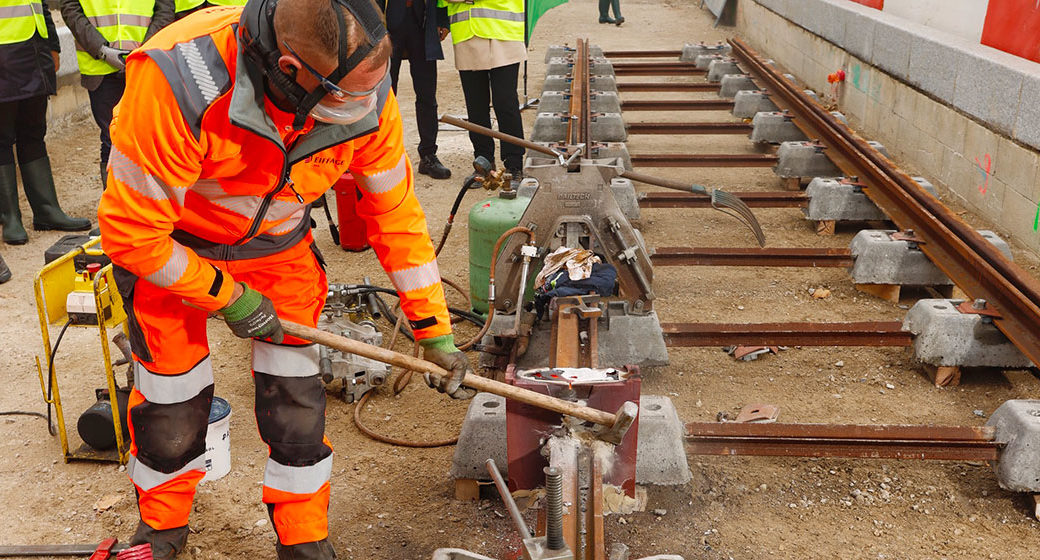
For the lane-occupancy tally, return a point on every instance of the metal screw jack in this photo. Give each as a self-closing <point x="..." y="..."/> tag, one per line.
<point x="554" y="508"/>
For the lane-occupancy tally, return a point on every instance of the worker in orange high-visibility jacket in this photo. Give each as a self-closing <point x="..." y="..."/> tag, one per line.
<point x="234" y="121"/>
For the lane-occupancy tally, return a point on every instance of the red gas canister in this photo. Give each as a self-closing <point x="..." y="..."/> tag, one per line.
<point x="352" y="236"/>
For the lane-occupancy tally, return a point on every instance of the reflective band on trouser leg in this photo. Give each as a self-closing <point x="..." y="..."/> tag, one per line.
<point x="169" y="405"/>
<point x="168" y="442"/>
<point x="290" y="414"/>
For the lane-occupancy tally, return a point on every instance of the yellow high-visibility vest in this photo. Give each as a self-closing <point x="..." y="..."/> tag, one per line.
<point x="490" y="19"/>
<point x="185" y="5"/>
<point x="20" y="19"/>
<point x="123" y="23"/>
<point x="228" y="2"/>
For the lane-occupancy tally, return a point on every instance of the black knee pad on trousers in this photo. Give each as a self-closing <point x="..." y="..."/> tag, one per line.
<point x="168" y="436"/>
<point x="290" y="413"/>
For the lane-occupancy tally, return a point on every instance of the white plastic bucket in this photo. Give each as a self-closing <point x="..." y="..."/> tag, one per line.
<point x="218" y="440"/>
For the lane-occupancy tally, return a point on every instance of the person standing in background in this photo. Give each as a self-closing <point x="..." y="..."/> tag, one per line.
<point x="488" y="37"/>
<point x="416" y="29"/>
<point x="106" y="31"/>
<point x="604" y="12"/>
<point x="29" y="58"/>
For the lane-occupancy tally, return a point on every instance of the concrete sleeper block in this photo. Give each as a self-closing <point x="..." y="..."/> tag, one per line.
<point x="746" y="104"/>
<point x="483" y="436"/>
<point x="563" y="51"/>
<point x="839" y="200"/>
<point x="774" y="128"/>
<point x="560" y="102"/>
<point x="1017" y="426"/>
<point x="607" y="127"/>
<point x="549" y="127"/>
<point x="945" y="336"/>
<point x="722" y="67"/>
<point x="804" y="159"/>
<point x="608" y="150"/>
<point x="661" y="449"/>
<point x="880" y="259"/>
<point x="703" y="61"/>
<point x="733" y="83"/>
<point x="565" y="66"/>
<point x="690" y="52"/>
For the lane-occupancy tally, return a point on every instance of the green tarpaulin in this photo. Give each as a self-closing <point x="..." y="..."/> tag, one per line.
<point x="536" y="9"/>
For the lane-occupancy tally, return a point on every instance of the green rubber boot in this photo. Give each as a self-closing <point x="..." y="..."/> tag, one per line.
<point x="5" y="272"/>
<point x="10" y="214"/>
<point x="604" y="13"/>
<point x="39" y="190"/>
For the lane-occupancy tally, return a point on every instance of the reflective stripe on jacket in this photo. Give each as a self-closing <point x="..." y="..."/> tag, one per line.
<point x="123" y="24"/>
<point x="196" y="163"/>
<point x="20" y="19"/>
<point x="490" y="19"/>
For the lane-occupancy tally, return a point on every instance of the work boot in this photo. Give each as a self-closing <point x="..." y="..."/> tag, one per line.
<point x="166" y="543"/>
<point x="319" y="550"/>
<point x="5" y="272"/>
<point x="10" y="213"/>
<point x="430" y="165"/>
<point x="39" y="190"/>
<point x="618" y="18"/>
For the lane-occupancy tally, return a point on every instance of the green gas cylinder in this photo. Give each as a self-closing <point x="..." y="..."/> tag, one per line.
<point x="488" y="220"/>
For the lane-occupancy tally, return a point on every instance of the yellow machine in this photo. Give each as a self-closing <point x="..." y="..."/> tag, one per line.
<point x="67" y="298"/>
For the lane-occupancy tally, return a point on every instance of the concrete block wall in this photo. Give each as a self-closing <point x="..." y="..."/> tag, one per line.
<point x="964" y="115"/>
<point x="72" y="99"/>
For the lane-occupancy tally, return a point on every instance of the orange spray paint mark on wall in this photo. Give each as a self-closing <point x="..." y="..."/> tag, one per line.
<point x="879" y="4"/>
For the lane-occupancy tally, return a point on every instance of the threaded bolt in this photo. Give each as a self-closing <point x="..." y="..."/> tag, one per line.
<point x="554" y="508"/>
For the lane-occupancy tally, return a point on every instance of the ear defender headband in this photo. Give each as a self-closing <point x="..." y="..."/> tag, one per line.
<point x="261" y="45"/>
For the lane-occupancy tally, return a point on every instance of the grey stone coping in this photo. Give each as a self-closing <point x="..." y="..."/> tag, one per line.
<point x="997" y="88"/>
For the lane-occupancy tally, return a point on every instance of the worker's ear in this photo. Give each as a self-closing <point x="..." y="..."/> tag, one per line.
<point x="288" y="64"/>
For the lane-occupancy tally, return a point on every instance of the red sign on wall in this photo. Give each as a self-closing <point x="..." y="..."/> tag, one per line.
<point x="879" y="4"/>
<point x="1013" y="26"/>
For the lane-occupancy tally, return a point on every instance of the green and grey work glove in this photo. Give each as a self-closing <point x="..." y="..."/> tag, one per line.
<point x="113" y="56"/>
<point x="441" y="350"/>
<point x="252" y="315"/>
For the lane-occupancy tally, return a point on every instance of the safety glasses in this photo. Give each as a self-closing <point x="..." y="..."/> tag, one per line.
<point x="334" y="90"/>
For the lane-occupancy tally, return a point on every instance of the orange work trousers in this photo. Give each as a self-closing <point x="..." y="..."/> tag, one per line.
<point x="170" y="403"/>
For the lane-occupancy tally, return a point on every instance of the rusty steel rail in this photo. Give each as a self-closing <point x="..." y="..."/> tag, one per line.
<point x="949" y="443"/>
<point x="578" y="131"/>
<point x="974" y="264"/>
<point x="677" y="105"/>
<point x="642" y="54"/>
<point x="668" y="87"/>
<point x="688" y="128"/>
<point x="765" y="199"/>
<point x="867" y="333"/>
<point x="752" y="256"/>
<point x="704" y="160"/>
<point x="657" y="69"/>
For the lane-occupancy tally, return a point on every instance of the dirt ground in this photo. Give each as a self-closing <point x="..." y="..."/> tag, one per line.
<point x="396" y="503"/>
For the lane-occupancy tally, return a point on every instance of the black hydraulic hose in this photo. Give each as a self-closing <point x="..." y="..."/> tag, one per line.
<point x="50" y="378"/>
<point x="466" y="186"/>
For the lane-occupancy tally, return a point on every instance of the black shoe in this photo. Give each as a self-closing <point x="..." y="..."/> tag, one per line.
<point x="5" y="272"/>
<point x="166" y="543"/>
<point x="39" y="190"/>
<point x="606" y="19"/>
<point x="619" y="21"/>
<point x="430" y="165"/>
<point x="319" y="550"/>
<point x="516" y="172"/>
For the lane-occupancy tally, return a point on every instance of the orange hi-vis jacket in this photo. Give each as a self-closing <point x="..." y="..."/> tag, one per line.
<point x="205" y="169"/>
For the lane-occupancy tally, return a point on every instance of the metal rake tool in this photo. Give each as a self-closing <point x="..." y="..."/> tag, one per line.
<point x="725" y="202"/>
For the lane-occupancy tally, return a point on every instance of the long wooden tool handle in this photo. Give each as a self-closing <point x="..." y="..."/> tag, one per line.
<point x="666" y="183"/>
<point x="448" y="119"/>
<point x="475" y="381"/>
